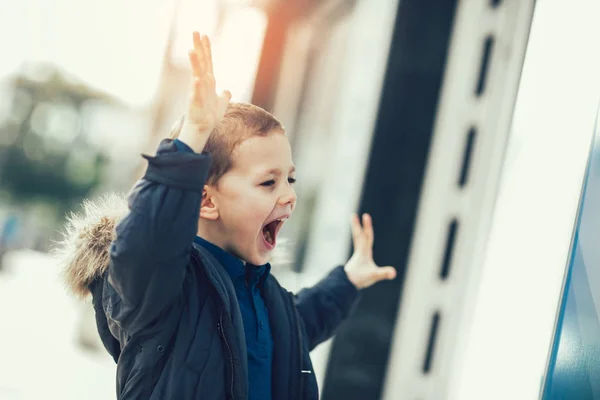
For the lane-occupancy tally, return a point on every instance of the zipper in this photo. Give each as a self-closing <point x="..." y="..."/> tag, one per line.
<point x="222" y="332"/>
<point x="300" y="353"/>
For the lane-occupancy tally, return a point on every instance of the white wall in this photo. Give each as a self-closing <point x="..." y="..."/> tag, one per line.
<point x="526" y="257"/>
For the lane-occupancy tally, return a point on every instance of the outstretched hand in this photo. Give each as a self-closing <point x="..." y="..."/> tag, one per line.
<point x="361" y="269"/>
<point x="205" y="109"/>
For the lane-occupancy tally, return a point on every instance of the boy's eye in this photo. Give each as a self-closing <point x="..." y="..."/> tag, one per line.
<point x="268" y="183"/>
<point x="271" y="182"/>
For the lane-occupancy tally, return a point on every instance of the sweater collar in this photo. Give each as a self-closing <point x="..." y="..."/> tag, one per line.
<point x="236" y="268"/>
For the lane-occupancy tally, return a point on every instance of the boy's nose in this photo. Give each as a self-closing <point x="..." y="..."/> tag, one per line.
<point x="288" y="198"/>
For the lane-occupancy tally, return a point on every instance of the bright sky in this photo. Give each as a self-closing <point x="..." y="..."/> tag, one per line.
<point x="117" y="45"/>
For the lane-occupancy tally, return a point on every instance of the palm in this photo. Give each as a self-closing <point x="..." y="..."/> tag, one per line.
<point x="361" y="269"/>
<point x="206" y="109"/>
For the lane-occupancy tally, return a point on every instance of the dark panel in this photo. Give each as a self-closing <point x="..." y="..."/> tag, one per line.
<point x="391" y="191"/>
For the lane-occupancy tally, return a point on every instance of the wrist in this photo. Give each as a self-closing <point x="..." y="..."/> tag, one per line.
<point x="351" y="277"/>
<point x="193" y="136"/>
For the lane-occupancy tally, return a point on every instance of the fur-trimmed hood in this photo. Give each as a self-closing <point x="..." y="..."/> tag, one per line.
<point x="84" y="249"/>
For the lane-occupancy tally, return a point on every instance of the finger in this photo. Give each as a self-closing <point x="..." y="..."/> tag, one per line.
<point x="210" y="83"/>
<point x="207" y="54"/>
<point x="197" y="40"/>
<point x="199" y="50"/>
<point x="195" y="63"/>
<point x="198" y="92"/>
<point x="356" y="231"/>
<point x="368" y="230"/>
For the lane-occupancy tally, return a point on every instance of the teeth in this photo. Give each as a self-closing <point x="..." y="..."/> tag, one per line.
<point x="268" y="236"/>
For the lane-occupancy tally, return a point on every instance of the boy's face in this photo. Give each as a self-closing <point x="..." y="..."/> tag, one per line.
<point x="255" y="197"/>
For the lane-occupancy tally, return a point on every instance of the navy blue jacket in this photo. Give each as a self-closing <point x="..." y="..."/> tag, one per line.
<point x="167" y="312"/>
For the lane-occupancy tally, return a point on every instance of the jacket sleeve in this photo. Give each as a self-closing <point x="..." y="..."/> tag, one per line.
<point x="149" y="257"/>
<point x="324" y="306"/>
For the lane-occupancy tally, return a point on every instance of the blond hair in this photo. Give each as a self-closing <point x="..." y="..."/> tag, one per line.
<point x="240" y="122"/>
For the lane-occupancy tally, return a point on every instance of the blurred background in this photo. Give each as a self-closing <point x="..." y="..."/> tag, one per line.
<point x="86" y="86"/>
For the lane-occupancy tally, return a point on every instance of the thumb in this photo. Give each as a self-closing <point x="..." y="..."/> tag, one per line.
<point x="388" y="273"/>
<point x="223" y="101"/>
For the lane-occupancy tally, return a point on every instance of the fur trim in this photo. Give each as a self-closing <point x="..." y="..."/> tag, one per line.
<point x="84" y="251"/>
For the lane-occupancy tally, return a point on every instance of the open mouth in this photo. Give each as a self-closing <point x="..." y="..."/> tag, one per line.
<point x="271" y="230"/>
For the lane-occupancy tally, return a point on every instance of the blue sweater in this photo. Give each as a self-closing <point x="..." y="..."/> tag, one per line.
<point x="247" y="281"/>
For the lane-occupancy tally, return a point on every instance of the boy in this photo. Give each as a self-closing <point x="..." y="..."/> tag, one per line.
<point x="184" y="300"/>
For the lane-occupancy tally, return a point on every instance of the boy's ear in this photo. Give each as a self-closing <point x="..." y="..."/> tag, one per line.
<point x="208" y="207"/>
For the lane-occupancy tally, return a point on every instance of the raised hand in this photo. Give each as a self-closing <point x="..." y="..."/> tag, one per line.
<point x="361" y="269"/>
<point x="205" y="109"/>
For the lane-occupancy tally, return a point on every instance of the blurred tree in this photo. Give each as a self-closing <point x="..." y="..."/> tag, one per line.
<point x="45" y="154"/>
